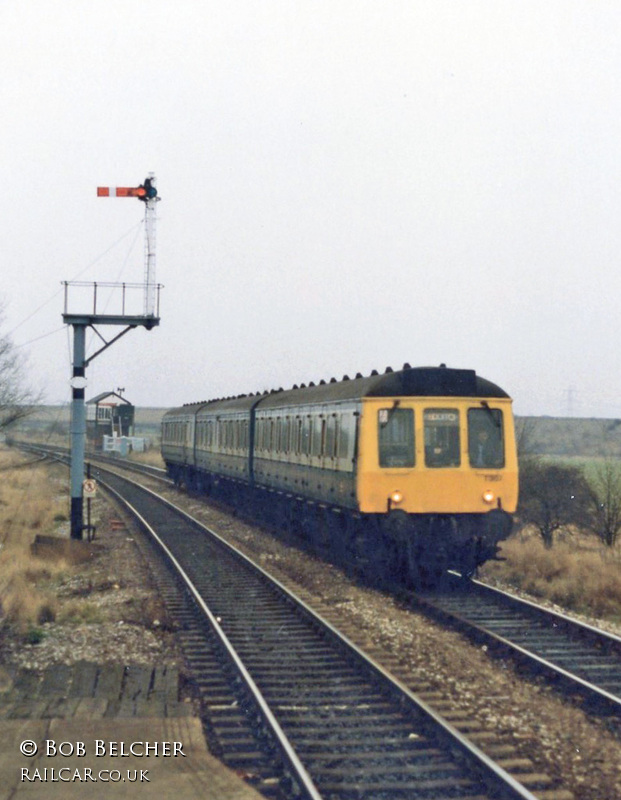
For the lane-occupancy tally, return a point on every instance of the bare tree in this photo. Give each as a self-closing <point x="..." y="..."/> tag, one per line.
<point x="552" y="497"/>
<point x="605" y="482"/>
<point x="525" y="435"/>
<point x="17" y="399"/>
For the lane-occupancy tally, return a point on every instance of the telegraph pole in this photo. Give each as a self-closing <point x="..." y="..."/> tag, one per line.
<point x="83" y="318"/>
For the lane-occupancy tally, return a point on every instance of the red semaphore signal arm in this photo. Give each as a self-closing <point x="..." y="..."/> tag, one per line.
<point x="121" y="191"/>
<point x="145" y="192"/>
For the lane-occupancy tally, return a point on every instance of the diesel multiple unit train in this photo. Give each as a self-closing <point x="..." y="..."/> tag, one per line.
<point x="408" y="473"/>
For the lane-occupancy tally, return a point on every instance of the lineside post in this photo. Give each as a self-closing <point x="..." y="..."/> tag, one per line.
<point x="78" y="430"/>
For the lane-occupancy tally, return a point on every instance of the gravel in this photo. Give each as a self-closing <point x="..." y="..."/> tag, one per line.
<point x="581" y="752"/>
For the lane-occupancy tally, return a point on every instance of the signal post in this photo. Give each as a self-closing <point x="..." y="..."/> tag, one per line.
<point x="88" y="315"/>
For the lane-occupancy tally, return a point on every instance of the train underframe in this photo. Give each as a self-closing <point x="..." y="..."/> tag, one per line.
<point x="415" y="550"/>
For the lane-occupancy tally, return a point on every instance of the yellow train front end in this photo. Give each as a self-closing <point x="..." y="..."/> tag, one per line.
<point x="442" y="472"/>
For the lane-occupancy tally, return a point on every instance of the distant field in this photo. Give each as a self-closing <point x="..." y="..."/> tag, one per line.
<point x="573" y="437"/>
<point x="144" y="415"/>
<point x="48" y="419"/>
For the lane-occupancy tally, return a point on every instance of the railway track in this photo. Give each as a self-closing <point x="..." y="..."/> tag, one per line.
<point x="581" y="661"/>
<point x="246" y="751"/>
<point x="577" y="658"/>
<point x="311" y="715"/>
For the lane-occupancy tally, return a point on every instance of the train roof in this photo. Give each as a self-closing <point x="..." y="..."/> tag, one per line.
<point x="242" y="403"/>
<point x="408" y="382"/>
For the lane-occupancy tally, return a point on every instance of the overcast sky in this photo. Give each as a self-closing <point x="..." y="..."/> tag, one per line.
<point x="345" y="185"/>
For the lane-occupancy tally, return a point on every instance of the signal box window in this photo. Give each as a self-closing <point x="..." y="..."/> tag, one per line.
<point x="442" y="437"/>
<point x="486" y="437"/>
<point x="396" y="437"/>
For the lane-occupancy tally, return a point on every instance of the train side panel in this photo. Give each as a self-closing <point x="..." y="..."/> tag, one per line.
<point x="178" y="437"/>
<point x="308" y="450"/>
<point x="223" y="442"/>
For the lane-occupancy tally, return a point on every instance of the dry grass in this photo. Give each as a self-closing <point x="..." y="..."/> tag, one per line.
<point x="79" y="612"/>
<point x="577" y="573"/>
<point x="152" y="457"/>
<point x="30" y="503"/>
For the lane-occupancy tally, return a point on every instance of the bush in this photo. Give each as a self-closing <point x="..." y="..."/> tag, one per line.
<point x="552" y="497"/>
<point x="605" y="481"/>
<point x="34" y="636"/>
<point x="576" y="574"/>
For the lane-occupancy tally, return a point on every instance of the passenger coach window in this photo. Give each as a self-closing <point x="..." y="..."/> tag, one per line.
<point x="396" y="437"/>
<point x="442" y="437"/>
<point x="485" y="437"/>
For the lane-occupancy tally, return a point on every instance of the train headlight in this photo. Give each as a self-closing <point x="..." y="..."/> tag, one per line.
<point x="488" y="496"/>
<point x="396" y="497"/>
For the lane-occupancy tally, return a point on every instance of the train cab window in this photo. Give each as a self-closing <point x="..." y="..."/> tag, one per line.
<point x="441" y="437"/>
<point x="486" y="437"/>
<point x="396" y="437"/>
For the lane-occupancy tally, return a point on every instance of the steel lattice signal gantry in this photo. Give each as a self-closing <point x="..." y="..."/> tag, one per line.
<point x="84" y="317"/>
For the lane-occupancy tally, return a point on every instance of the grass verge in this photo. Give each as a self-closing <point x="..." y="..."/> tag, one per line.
<point x="577" y="573"/>
<point x="30" y="503"/>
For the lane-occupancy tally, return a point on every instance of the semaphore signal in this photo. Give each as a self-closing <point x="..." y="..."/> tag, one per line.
<point x="147" y="193"/>
<point x="90" y="316"/>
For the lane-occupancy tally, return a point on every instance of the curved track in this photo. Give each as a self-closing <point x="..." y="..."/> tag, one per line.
<point x="580" y="660"/>
<point x="326" y="712"/>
